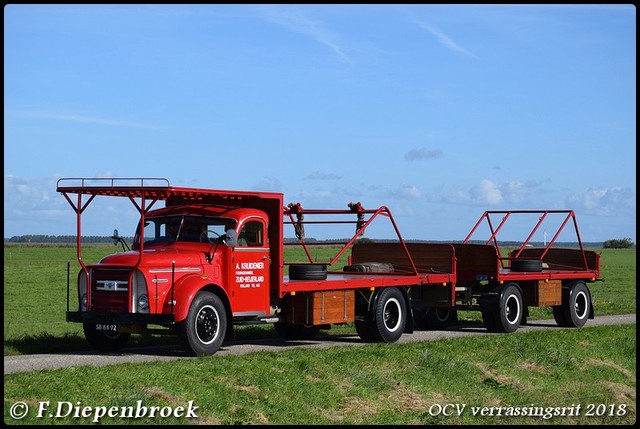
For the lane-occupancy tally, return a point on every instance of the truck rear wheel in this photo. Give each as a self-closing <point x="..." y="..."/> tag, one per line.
<point x="292" y="331"/>
<point x="364" y="329"/>
<point x="389" y="315"/>
<point x="105" y="341"/>
<point x="576" y="306"/>
<point x="203" y="331"/>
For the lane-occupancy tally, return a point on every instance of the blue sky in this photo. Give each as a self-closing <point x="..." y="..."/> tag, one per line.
<point x="438" y="112"/>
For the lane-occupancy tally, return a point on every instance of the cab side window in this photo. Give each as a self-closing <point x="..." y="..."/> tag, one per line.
<point x="251" y="234"/>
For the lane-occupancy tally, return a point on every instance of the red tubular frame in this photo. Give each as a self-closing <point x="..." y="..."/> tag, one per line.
<point x="494" y="232"/>
<point x="296" y="209"/>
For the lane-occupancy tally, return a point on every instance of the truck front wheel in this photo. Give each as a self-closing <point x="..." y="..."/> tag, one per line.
<point x="390" y="315"/>
<point x="105" y="341"/>
<point x="203" y="331"/>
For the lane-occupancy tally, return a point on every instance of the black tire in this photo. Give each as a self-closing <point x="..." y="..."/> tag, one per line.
<point x="420" y="317"/>
<point x="378" y="267"/>
<point x="105" y="341"/>
<point x="526" y="265"/>
<point x="367" y="331"/>
<point x="389" y="315"/>
<point x="440" y="318"/>
<point x="204" y="329"/>
<point x="559" y="316"/>
<point x="307" y="272"/>
<point x="511" y="309"/>
<point x="489" y="320"/>
<point x="292" y="331"/>
<point x="576" y="304"/>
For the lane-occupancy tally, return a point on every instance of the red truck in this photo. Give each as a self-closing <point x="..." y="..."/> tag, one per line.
<point x="211" y="259"/>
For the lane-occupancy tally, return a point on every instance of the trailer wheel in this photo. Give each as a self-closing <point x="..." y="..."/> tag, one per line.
<point x="511" y="309"/>
<point x="105" y="341"/>
<point x="435" y="317"/>
<point x="390" y="315"/>
<point x="296" y="331"/>
<point x="526" y="265"/>
<point x="440" y="318"/>
<point x="203" y="331"/>
<point x="307" y="272"/>
<point x="576" y="306"/>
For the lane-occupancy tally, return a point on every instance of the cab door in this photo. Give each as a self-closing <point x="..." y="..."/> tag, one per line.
<point x="250" y="271"/>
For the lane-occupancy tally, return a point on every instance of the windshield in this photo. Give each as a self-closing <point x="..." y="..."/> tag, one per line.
<point x="195" y="229"/>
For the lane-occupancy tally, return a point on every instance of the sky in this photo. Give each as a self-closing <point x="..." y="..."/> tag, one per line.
<point x="437" y="112"/>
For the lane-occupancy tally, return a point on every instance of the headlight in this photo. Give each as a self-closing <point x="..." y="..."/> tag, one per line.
<point x="82" y="290"/>
<point x="143" y="303"/>
<point x="140" y="297"/>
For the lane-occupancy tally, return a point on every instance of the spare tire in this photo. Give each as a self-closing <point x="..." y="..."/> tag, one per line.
<point x="526" y="265"/>
<point x="380" y="267"/>
<point x="308" y="272"/>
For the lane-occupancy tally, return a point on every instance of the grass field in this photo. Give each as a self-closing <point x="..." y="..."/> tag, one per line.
<point x="564" y="376"/>
<point x="567" y="376"/>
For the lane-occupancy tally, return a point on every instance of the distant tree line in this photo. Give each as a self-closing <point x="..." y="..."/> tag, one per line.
<point x="61" y="239"/>
<point x="624" y="243"/>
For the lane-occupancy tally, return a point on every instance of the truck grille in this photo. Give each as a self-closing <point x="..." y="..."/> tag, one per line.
<point x="110" y="291"/>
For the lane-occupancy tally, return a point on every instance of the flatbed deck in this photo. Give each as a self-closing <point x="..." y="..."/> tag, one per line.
<point x="343" y="280"/>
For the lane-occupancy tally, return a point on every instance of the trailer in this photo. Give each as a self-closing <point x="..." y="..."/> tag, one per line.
<point x="209" y="260"/>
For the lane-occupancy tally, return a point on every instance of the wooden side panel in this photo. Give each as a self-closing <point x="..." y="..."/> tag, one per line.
<point x="549" y="293"/>
<point x="476" y="261"/>
<point x="563" y="259"/>
<point x="428" y="257"/>
<point x="323" y="307"/>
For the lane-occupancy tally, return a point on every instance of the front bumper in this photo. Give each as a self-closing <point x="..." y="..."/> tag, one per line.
<point x="120" y="318"/>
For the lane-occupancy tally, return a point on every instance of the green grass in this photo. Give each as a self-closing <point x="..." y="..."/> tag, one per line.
<point x="377" y="384"/>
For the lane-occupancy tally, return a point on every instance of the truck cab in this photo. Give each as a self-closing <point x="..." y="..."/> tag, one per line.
<point x="197" y="265"/>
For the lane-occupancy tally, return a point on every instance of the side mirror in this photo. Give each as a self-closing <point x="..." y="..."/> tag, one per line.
<point x="231" y="238"/>
<point x="115" y="237"/>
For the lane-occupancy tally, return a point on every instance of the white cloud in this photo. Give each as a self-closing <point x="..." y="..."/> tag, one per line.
<point x="268" y="184"/>
<point x="422" y="153"/>
<point x="70" y="117"/>
<point x="403" y="192"/>
<point x="604" y="202"/>
<point x="487" y="193"/>
<point x="445" y="40"/>
<point x="318" y="175"/>
<point x="294" y="20"/>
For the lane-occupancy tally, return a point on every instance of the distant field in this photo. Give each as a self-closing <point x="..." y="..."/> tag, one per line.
<point x="35" y="290"/>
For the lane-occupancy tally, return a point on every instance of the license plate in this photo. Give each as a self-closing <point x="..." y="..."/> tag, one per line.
<point x="106" y="327"/>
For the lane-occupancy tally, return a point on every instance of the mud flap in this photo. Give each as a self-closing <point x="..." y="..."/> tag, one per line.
<point x="489" y="302"/>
